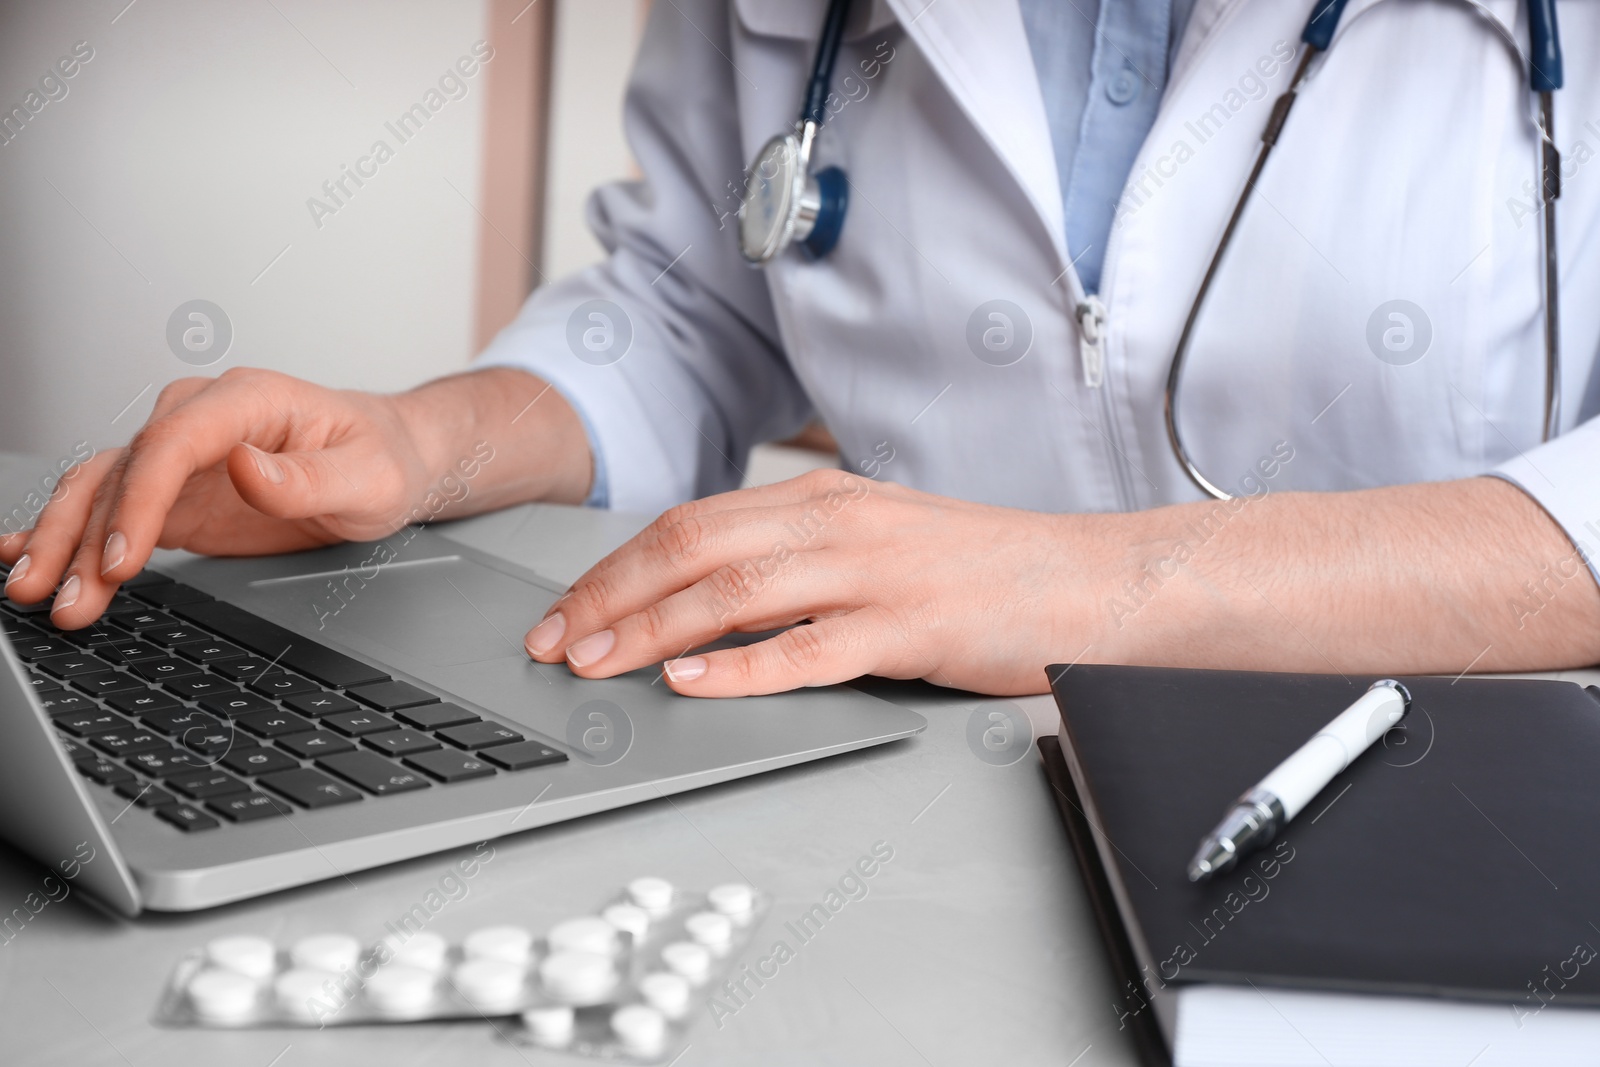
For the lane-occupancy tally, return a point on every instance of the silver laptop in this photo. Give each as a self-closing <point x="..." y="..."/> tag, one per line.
<point x="235" y="727"/>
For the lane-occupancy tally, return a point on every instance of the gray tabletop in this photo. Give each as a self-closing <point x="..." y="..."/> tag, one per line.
<point x="972" y="945"/>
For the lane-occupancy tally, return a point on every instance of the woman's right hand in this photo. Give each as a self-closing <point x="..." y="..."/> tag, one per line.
<point x="249" y="463"/>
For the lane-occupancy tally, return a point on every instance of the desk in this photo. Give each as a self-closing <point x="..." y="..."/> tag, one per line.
<point x="973" y="946"/>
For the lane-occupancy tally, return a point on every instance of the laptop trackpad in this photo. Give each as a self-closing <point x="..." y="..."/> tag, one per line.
<point x="441" y="611"/>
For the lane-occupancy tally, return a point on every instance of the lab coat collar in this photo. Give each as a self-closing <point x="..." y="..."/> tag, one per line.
<point x="979" y="50"/>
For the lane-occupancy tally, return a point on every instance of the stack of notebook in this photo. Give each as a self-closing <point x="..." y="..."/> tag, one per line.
<point x="1438" y="903"/>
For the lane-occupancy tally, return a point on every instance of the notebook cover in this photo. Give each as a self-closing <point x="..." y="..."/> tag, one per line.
<point x="1148" y="1041"/>
<point x="1458" y="857"/>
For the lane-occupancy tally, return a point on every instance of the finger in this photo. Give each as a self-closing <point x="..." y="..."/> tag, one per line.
<point x="822" y="653"/>
<point x="640" y="574"/>
<point x="350" y="479"/>
<point x="85" y="592"/>
<point x="56" y="534"/>
<point x="195" y="435"/>
<point x="749" y="596"/>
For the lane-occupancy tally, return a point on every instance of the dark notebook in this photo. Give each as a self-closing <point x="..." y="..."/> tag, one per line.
<point x="1458" y="858"/>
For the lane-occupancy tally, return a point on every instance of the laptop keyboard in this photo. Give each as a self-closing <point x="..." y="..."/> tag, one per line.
<point x="207" y="715"/>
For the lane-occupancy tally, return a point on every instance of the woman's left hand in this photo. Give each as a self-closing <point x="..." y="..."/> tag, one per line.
<point x="892" y="582"/>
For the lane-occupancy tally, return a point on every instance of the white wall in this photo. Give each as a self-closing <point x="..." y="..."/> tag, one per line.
<point x="178" y="166"/>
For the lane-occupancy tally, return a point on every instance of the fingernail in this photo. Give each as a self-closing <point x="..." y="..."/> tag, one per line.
<point x="19" y="569"/>
<point x="114" y="553"/>
<point x="685" y="670"/>
<point x="270" y="468"/>
<point x="543" y="638"/>
<point x="68" y="595"/>
<point x="591" y="648"/>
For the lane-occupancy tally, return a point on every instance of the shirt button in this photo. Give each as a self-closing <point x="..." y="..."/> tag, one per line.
<point x="1123" y="86"/>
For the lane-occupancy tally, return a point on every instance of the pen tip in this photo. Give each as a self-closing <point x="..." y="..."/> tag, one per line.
<point x="1199" y="871"/>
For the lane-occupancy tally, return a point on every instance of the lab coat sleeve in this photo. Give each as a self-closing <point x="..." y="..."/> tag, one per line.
<point x="1561" y="475"/>
<point x="704" y="376"/>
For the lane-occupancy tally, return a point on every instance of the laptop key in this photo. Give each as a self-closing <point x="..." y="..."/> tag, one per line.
<point x="75" y="750"/>
<point x="159" y="670"/>
<point x="214" y="744"/>
<point x="522" y="755"/>
<point x="33" y="649"/>
<point x="186" y="818"/>
<point x="106" y="683"/>
<point x="104" y="771"/>
<point x="276" y="683"/>
<point x="315" y="744"/>
<point x="167" y="762"/>
<point x="402" y="742"/>
<point x="126" y="651"/>
<point x="243" y="670"/>
<point x="145" y="578"/>
<point x="18" y="630"/>
<point x="171" y="594"/>
<point x="235" y="703"/>
<point x="66" y="703"/>
<point x="87" y="723"/>
<point x="358" y="723"/>
<point x="448" y="765"/>
<point x="179" y="720"/>
<point x="254" y="761"/>
<point x="433" y="716"/>
<point x="139" y="621"/>
<point x="203" y="785"/>
<point x="177" y="636"/>
<point x="319" y="703"/>
<point x="128" y="742"/>
<point x="249" y="807"/>
<point x="204" y="650"/>
<point x="198" y="686"/>
<point x="92" y="636"/>
<point x="387" y="696"/>
<point x="275" y="723"/>
<point x="476" y="735"/>
<point x="332" y="669"/>
<point x="309" y="788"/>
<point x="41" y="684"/>
<point x="142" y="702"/>
<point x="71" y="664"/>
<point x="144" y="794"/>
<point x="373" y="773"/>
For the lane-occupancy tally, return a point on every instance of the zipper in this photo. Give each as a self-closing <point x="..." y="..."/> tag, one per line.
<point x="1092" y="340"/>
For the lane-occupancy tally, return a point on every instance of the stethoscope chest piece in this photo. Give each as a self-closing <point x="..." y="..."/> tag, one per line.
<point x="783" y="204"/>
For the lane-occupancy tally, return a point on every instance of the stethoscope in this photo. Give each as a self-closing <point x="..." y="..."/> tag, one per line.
<point x="1544" y="76"/>
<point x="783" y="202"/>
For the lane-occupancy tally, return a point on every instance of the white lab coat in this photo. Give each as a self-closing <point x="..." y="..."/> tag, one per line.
<point x="1405" y="173"/>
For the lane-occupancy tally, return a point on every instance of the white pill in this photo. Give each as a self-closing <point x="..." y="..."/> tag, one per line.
<point x="510" y="944"/>
<point x="579" y="978"/>
<point x="640" y="1028"/>
<point x="490" y="985"/>
<point x="301" y="994"/>
<point x="587" y="934"/>
<point x="253" y="957"/>
<point x="223" y="996"/>
<point x="652" y="894"/>
<point x="550" y="1027"/>
<point x="424" y="951"/>
<point x="733" y="900"/>
<point x="667" y="993"/>
<point x="710" y="929"/>
<point x="629" y="918"/>
<point x="325" y="952"/>
<point x="400" y="991"/>
<point x="688" y="959"/>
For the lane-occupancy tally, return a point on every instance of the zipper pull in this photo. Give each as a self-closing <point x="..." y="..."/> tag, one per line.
<point x="1092" y="340"/>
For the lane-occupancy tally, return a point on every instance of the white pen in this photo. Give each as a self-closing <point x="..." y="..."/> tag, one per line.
<point x="1256" y="817"/>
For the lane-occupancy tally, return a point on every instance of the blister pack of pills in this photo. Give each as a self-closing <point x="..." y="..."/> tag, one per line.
<point x="619" y="985"/>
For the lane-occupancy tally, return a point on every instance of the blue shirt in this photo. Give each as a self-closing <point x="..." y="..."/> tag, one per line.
<point x="1102" y="67"/>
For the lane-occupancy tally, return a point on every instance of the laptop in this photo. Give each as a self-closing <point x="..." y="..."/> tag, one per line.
<point x="233" y="727"/>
